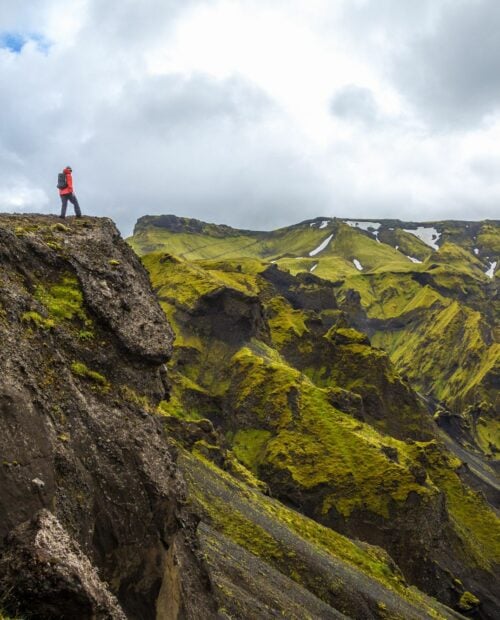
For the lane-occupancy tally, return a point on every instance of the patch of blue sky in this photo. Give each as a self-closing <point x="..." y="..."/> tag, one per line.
<point x="15" y="41"/>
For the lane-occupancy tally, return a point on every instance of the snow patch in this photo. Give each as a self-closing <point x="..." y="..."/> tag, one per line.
<point x="476" y="251"/>
<point x="428" y="234"/>
<point x="491" y="271"/>
<point x="357" y="264"/>
<point x="414" y="260"/>
<point x="312" y="224"/>
<point x="321" y="246"/>
<point x="313" y="267"/>
<point x="324" y="224"/>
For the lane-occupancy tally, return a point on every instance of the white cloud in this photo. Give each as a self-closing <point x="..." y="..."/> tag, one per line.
<point x="252" y="113"/>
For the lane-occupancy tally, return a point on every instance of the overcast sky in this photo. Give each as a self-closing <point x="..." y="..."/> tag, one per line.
<point x="253" y="113"/>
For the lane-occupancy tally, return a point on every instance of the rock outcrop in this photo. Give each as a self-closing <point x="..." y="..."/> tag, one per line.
<point x="83" y="342"/>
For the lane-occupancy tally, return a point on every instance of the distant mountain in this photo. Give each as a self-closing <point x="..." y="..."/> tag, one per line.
<point x="351" y="369"/>
<point x="428" y="295"/>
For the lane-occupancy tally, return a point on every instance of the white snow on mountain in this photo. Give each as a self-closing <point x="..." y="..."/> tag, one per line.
<point x="357" y="264"/>
<point x="312" y="224"/>
<point x="363" y="225"/>
<point x="321" y="246"/>
<point x="324" y="224"/>
<point x="491" y="271"/>
<point x="427" y="234"/>
<point x="313" y="267"/>
<point x="414" y="260"/>
<point x="476" y="251"/>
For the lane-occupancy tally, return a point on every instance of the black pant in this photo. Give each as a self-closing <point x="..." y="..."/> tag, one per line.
<point x="74" y="202"/>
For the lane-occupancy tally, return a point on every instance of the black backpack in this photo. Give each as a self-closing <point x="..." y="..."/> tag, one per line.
<point x="61" y="181"/>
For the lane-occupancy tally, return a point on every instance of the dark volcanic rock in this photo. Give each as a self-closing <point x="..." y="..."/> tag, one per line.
<point x="43" y="567"/>
<point x="82" y="345"/>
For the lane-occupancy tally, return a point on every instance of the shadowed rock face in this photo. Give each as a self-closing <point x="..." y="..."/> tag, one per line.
<point x="44" y="566"/>
<point x="82" y="345"/>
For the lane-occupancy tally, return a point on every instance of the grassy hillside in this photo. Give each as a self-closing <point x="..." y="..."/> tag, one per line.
<point x="427" y="296"/>
<point x="273" y="382"/>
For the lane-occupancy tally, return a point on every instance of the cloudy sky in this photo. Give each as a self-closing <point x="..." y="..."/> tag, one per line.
<point x="254" y="113"/>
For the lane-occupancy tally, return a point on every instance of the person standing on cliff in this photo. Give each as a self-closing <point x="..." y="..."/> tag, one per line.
<point x="67" y="193"/>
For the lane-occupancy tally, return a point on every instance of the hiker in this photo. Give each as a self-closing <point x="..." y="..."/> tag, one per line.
<point x="65" y="185"/>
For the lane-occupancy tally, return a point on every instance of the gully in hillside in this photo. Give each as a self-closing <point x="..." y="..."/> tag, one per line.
<point x="65" y="186"/>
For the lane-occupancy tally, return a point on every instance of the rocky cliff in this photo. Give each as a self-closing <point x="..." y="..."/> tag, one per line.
<point x="91" y="500"/>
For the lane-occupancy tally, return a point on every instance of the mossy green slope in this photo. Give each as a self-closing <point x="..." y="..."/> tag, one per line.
<point x="430" y="304"/>
<point x="310" y="408"/>
<point x="357" y="580"/>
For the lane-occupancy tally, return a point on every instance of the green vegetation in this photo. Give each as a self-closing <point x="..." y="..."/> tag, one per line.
<point x="473" y="520"/>
<point x="34" y="318"/>
<point x="81" y="370"/>
<point x="63" y="300"/>
<point x="249" y="447"/>
<point x="284" y="322"/>
<point x="277" y="534"/>
<point x="63" y="305"/>
<point x="468" y="601"/>
<point x="311" y="406"/>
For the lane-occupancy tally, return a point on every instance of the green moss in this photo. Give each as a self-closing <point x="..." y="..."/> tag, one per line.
<point x="488" y="239"/>
<point x="139" y="400"/>
<point x="86" y="335"/>
<point x="54" y="245"/>
<point x="63" y="300"/>
<point x="249" y="447"/>
<point x="114" y="263"/>
<point x="60" y="227"/>
<point x="188" y="400"/>
<point x="81" y="370"/>
<point x="34" y="318"/>
<point x="487" y="432"/>
<point x="314" y="444"/>
<point x="274" y="532"/>
<point x="285" y="322"/>
<point x="346" y="335"/>
<point x="474" y="521"/>
<point x="468" y="601"/>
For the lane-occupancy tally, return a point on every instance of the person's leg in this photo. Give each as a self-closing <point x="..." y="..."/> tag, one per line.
<point x="64" y="205"/>
<point x="74" y="202"/>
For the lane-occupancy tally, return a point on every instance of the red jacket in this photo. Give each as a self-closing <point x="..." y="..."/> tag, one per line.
<point x="69" y="181"/>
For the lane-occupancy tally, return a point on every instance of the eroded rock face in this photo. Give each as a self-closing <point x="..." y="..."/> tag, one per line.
<point x="82" y="345"/>
<point x="42" y="566"/>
